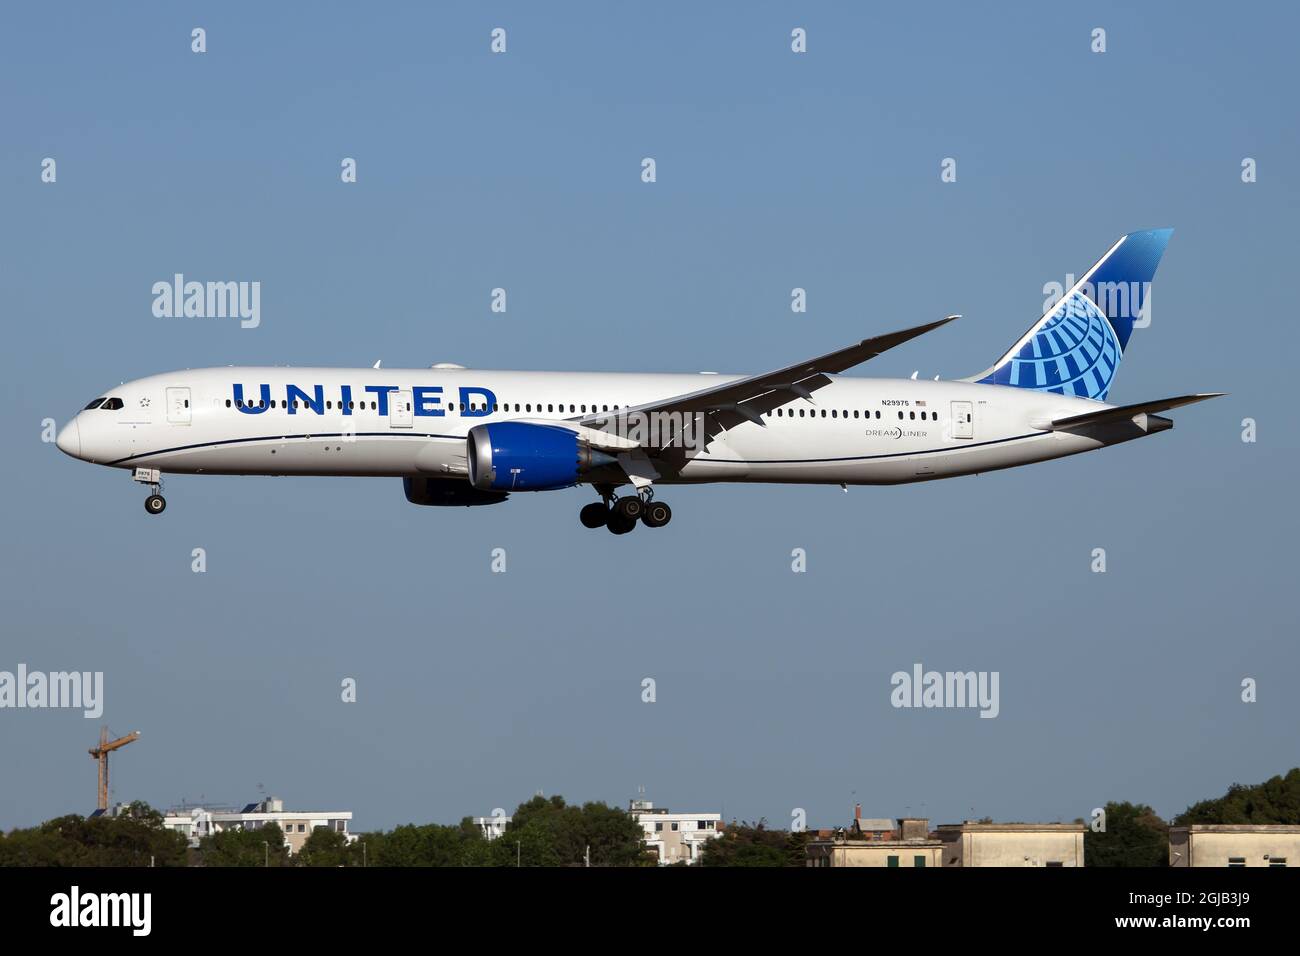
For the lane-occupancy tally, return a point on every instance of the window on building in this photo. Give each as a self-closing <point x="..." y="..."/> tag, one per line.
<point x="892" y="861"/>
<point x="674" y="826"/>
<point x="659" y="828"/>
<point x="1277" y="861"/>
<point x="1236" y="861"/>
<point x="918" y="860"/>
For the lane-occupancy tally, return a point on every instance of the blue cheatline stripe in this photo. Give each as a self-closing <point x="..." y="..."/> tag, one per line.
<point x="239" y="441"/>
<point x="897" y="454"/>
<point x="721" y="461"/>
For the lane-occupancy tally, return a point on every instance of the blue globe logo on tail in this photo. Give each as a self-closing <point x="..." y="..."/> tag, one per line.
<point x="1075" y="352"/>
<point x="1076" y="347"/>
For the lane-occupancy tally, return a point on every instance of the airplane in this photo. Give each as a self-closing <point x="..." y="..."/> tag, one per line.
<point x="466" y="437"/>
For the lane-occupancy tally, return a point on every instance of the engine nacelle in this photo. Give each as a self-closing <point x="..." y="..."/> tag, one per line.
<point x="448" y="492"/>
<point x="519" y="456"/>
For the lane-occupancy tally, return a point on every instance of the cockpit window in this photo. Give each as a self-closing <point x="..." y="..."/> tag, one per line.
<point x="111" y="404"/>
<point x="94" y="404"/>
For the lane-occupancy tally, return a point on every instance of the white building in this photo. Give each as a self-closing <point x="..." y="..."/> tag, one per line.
<point x="675" y="837"/>
<point x="1238" y="844"/>
<point x="1012" y="844"/>
<point x="491" y="827"/>
<point x="194" y="823"/>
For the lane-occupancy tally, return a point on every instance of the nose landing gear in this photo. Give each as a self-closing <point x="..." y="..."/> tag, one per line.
<point x="620" y="515"/>
<point x="152" y="477"/>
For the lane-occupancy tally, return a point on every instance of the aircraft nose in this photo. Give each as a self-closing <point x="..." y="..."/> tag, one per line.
<point x="69" y="440"/>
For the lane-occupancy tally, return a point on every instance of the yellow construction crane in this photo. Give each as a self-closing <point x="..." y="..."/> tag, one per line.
<point x="101" y="753"/>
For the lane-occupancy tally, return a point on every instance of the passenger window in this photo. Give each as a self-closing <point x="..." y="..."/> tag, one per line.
<point x="911" y="415"/>
<point x="834" y="413"/>
<point x="227" y="403"/>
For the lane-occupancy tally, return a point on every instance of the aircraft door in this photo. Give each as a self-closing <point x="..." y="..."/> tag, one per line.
<point x="399" y="409"/>
<point x="963" y="420"/>
<point x="178" y="406"/>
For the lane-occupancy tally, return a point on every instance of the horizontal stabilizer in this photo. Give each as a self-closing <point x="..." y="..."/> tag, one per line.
<point x="1123" y="412"/>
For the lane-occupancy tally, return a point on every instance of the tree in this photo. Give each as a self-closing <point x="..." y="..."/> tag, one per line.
<point x="238" y="847"/>
<point x="548" y="832"/>
<point x="1276" y="800"/>
<point x="1135" y="836"/>
<point x="324" y="847"/>
<point x="428" y="845"/>
<point x="747" y="844"/>
<point x="135" y="837"/>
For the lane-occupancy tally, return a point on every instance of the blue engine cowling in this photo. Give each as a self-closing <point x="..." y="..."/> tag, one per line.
<point x="519" y="456"/>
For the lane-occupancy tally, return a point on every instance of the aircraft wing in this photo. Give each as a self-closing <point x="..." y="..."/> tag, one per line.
<point x="748" y="398"/>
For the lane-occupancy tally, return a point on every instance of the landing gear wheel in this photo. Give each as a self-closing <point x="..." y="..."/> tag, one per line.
<point x="629" y="507"/>
<point x="656" y="514"/>
<point x="155" y="504"/>
<point x="619" y="524"/>
<point x="594" y="515"/>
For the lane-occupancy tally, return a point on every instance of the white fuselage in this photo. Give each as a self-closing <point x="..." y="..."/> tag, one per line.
<point x="411" y="422"/>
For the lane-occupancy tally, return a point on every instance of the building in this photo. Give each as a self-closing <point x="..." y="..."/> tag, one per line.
<point x="877" y="842"/>
<point x="1239" y="844"/>
<point x="1012" y="844"/>
<point x="491" y="827"/>
<point x="675" y="837"/>
<point x="194" y="823"/>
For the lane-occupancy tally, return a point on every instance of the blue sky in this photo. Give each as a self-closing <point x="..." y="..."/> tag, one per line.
<point x="775" y="170"/>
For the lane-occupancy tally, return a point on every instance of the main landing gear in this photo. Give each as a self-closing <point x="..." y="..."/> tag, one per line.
<point x="152" y="477"/>
<point x="620" y="515"/>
